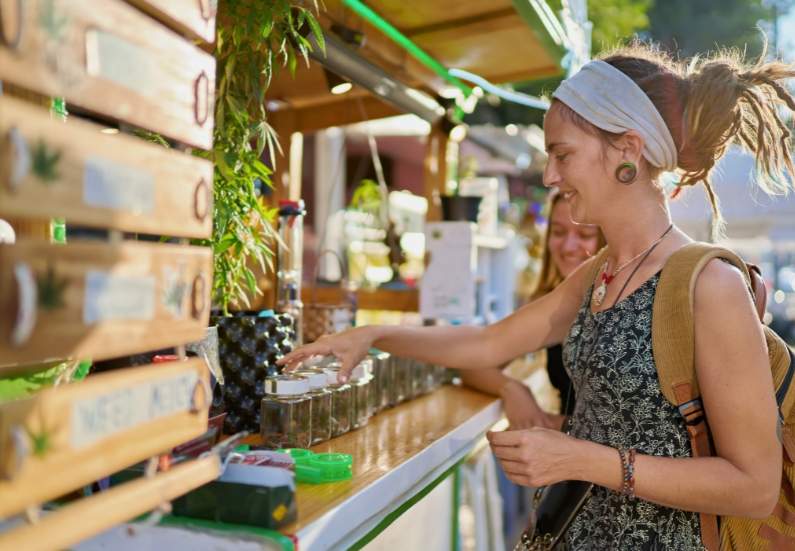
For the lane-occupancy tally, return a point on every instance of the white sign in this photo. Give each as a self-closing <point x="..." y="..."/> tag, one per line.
<point x="116" y="297"/>
<point x="100" y="417"/>
<point x="119" y="187"/>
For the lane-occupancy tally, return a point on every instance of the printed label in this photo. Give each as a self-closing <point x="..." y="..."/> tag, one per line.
<point x="103" y="416"/>
<point x="117" y="297"/>
<point x="119" y="187"/>
<point x="121" y="62"/>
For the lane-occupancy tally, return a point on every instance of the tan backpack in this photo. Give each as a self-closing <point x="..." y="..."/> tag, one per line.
<point x="673" y="345"/>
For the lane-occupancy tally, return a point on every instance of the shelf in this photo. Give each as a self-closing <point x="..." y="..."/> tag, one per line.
<point x="380" y="299"/>
<point x="395" y="456"/>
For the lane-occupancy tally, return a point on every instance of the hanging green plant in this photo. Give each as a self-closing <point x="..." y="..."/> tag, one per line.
<point x="253" y="40"/>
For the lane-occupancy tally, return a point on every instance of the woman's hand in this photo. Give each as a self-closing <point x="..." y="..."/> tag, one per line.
<point x="536" y="457"/>
<point x="350" y="347"/>
<point x="521" y="408"/>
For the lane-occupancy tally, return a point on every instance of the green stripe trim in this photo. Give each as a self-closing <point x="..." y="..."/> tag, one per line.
<point x="367" y="13"/>
<point x="285" y="543"/>
<point x="455" y="536"/>
<point x="408" y="504"/>
<point x="542" y="21"/>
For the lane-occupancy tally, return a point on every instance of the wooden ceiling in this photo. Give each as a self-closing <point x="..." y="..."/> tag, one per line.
<point x="489" y="38"/>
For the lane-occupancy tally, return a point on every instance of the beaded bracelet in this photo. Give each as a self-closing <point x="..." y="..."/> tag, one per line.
<point x="627" y="471"/>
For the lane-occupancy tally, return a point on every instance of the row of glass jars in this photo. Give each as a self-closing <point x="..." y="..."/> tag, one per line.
<point x="310" y="406"/>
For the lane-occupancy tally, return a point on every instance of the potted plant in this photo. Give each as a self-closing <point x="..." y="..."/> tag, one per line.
<point x="254" y="39"/>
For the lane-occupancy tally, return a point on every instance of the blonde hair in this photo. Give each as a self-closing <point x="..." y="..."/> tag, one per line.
<point x="708" y="104"/>
<point x="550" y="277"/>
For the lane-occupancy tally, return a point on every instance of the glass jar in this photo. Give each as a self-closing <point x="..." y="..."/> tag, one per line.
<point x="341" y="400"/>
<point x="321" y="404"/>
<point x="361" y="380"/>
<point x="401" y="380"/>
<point x="286" y="412"/>
<point x="417" y="379"/>
<point x="379" y="389"/>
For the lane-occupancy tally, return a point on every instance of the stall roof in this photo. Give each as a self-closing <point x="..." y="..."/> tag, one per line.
<point x="500" y="40"/>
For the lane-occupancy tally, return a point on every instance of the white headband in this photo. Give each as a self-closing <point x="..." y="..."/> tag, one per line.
<point x="610" y="100"/>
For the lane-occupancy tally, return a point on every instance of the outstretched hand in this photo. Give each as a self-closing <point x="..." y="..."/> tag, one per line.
<point x="349" y="347"/>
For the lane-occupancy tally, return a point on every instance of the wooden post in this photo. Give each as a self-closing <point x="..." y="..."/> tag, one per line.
<point x="435" y="175"/>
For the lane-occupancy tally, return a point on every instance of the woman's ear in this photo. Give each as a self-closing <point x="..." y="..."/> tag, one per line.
<point x="631" y="144"/>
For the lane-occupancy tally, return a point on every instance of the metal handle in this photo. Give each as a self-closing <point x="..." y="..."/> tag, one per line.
<point x="201" y="396"/>
<point x="26" y="304"/>
<point x="201" y="99"/>
<point x="198" y="298"/>
<point x="20" y="451"/>
<point x="6" y="38"/>
<point x="201" y="200"/>
<point x="20" y="158"/>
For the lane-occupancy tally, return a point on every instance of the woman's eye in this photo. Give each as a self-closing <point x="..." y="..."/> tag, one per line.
<point x="561" y="157"/>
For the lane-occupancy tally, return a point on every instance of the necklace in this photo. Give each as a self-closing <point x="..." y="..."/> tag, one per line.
<point x="605" y="279"/>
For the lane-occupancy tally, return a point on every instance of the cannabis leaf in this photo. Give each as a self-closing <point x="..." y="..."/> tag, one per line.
<point x="51" y="289"/>
<point x="45" y="163"/>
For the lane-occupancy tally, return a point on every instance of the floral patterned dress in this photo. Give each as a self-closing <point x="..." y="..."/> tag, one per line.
<point x="619" y="403"/>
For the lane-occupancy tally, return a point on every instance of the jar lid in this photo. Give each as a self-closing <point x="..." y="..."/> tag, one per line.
<point x="378" y="354"/>
<point x="286" y="385"/>
<point x="363" y="370"/>
<point x="331" y="375"/>
<point x="322" y="468"/>
<point x="317" y="378"/>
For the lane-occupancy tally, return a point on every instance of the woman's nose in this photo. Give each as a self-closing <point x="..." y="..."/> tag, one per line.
<point x="551" y="176"/>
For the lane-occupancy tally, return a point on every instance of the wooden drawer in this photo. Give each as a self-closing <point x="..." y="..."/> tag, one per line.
<point x="193" y="18"/>
<point x="109" y="58"/>
<point x="100" y="300"/>
<point x="94" y="514"/>
<point x="50" y="169"/>
<point x="68" y="436"/>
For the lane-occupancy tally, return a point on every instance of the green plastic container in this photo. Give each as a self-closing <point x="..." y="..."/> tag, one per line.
<point x="320" y="468"/>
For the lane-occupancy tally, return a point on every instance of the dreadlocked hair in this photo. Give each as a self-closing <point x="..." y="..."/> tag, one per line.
<point x="712" y="102"/>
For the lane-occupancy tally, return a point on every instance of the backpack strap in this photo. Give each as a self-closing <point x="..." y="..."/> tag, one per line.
<point x="673" y="343"/>
<point x="673" y="333"/>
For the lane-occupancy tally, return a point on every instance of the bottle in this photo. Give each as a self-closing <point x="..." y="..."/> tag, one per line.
<point x="286" y="414"/>
<point x="321" y="404"/>
<point x="290" y="262"/>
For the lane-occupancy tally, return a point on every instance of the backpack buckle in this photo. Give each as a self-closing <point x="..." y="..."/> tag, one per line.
<point x="692" y="411"/>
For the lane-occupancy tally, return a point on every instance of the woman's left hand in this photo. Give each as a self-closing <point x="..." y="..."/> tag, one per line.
<point x="535" y="457"/>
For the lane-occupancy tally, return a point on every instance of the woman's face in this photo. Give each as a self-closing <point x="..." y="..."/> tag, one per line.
<point x="576" y="166"/>
<point x="570" y="244"/>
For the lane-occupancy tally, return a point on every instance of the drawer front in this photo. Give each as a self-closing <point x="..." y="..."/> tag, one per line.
<point x="100" y="300"/>
<point x="193" y="18"/>
<point x="68" y="436"/>
<point x="51" y="169"/>
<point x="109" y="58"/>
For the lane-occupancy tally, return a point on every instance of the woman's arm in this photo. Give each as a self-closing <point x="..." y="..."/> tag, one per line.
<point x="744" y="477"/>
<point x="537" y="325"/>
<point x="521" y="408"/>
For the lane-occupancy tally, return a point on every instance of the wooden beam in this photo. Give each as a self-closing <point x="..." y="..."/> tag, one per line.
<point x="334" y="113"/>
<point x="380" y="299"/>
<point x="457" y="24"/>
<point x="435" y="172"/>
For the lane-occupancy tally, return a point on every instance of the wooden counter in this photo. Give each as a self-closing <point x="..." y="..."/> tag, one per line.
<point x="400" y="452"/>
<point x="397" y="457"/>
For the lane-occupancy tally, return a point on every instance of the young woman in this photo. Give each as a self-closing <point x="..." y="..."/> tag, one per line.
<point x="566" y="246"/>
<point x="612" y="129"/>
